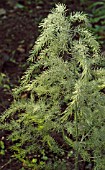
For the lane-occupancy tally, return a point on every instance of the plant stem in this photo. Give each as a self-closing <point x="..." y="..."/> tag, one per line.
<point x="76" y="127"/>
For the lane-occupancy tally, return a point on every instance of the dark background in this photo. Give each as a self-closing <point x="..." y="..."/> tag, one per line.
<point x="19" y="20"/>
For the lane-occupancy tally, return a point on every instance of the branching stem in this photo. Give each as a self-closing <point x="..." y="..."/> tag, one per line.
<point x="76" y="127"/>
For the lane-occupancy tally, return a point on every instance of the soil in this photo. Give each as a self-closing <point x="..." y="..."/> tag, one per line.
<point x="18" y="32"/>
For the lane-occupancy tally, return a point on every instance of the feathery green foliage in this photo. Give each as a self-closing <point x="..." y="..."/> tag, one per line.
<point x="59" y="107"/>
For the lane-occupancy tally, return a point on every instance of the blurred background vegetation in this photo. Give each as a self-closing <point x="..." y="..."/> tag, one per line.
<point x="94" y="8"/>
<point x="19" y="20"/>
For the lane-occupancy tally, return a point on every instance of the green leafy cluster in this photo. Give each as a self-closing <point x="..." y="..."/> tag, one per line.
<point x="59" y="107"/>
<point x="96" y="12"/>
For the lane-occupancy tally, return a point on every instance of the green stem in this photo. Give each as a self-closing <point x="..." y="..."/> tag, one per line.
<point x="76" y="127"/>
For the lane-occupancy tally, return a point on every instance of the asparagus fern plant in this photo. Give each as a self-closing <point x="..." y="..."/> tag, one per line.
<point x="59" y="107"/>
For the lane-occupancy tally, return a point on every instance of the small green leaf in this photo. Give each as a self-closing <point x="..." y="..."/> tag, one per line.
<point x="19" y="6"/>
<point x="2" y="152"/>
<point x="45" y="158"/>
<point x="42" y="163"/>
<point x="2" y="145"/>
<point x="34" y="160"/>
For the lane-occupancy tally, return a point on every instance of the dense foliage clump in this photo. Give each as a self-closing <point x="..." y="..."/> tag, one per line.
<point x="59" y="107"/>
